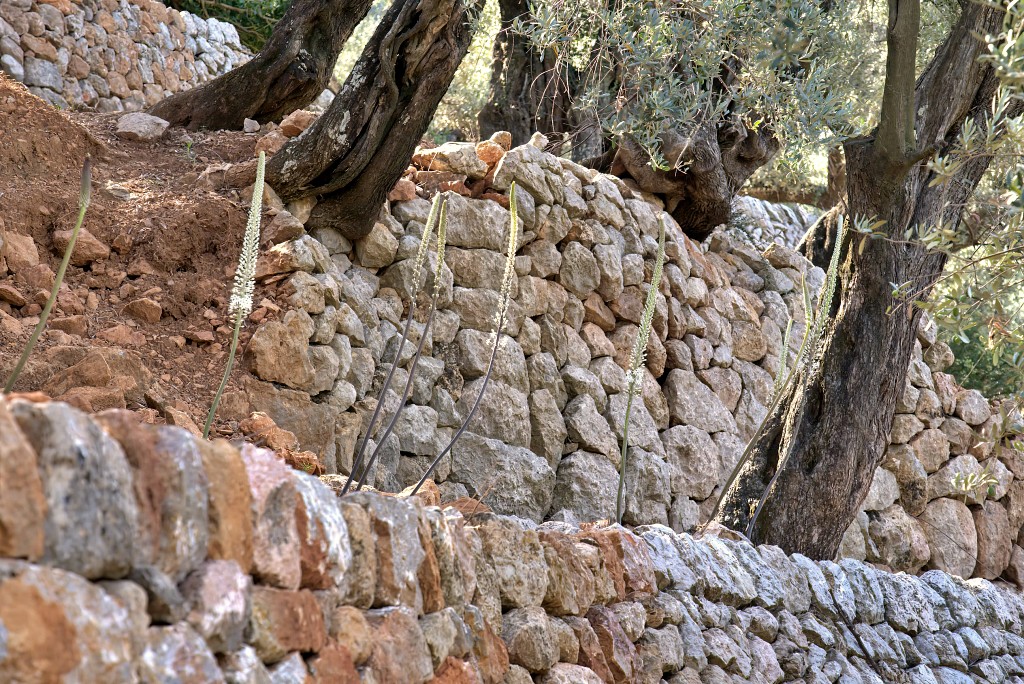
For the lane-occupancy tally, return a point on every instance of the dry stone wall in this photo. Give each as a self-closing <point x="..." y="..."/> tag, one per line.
<point x="544" y="444"/>
<point x="112" y="55"/>
<point x="136" y="553"/>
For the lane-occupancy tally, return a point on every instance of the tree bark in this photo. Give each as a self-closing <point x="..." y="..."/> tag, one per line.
<point x="291" y="70"/>
<point x="710" y="164"/>
<point x="528" y="91"/>
<point x="814" y="463"/>
<point x="356" y="151"/>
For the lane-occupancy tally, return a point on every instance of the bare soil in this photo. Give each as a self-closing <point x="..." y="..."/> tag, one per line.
<point x="174" y="238"/>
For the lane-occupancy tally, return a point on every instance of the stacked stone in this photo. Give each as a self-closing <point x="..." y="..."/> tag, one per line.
<point x="915" y="515"/>
<point x="545" y="441"/>
<point x="147" y="554"/>
<point x="112" y="55"/>
<point x="764" y="223"/>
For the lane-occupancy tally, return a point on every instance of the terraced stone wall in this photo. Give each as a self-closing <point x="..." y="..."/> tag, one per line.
<point x="112" y="55"/>
<point x="544" y="444"/>
<point x="136" y="553"/>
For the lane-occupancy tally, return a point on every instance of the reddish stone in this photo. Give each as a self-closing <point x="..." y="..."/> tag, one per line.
<point x="296" y="122"/>
<point x="72" y="325"/>
<point x="11" y="295"/>
<point x="489" y="152"/>
<point x="351" y="631"/>
<point x="22" y="504"/>
<point x="94" y="399"/>
<point x="619" y="652"/>
<point x="87" y="247"/>
<point x="39" y="276"/>
<point x="571" y="588"/>
<point x="626" y="559"/>
<point x="20" y="251"/>
<point x="333" y="665"/>
<point x="122" y="335"/>
<point x="276" y="548"/>
<point x="488" y="648"/>
<point x="400" y="652"/>
<point x="145" y="309"/>
<point x="285" y="621"/>
<point x="92" y="371"/>
<point x="429" y="574"/>
<point x="590" y="654"/>
<point x="230" y="518"/>
<point x="403" y="191"/>
<point x="59" y="627"/>
<point x="455" y="671"/>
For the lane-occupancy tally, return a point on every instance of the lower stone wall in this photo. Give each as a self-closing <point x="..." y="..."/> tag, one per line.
<point x="112" y="55"/>
<point x="141" y="553"/>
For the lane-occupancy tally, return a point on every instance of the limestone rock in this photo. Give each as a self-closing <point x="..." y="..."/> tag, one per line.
<point x="691" y="402"/>
<point x="219" y="605"/>
<point x="230" y="524"/>
<point x="45" y="611"/>
<point x="171" y="490"/>
<point x="898" y="540"/>
<point x="531" y="640"/>
<point x="22" y="501"/>
<point x="952" y="537"/>
<point x="284" y="621"/>
<point x="92" y="530"/>
<point x="325" y="552"/>
<point x="517" y="558"/>
<point x="994" y="540"/>
<point x="276" y="545"/>
<point x="140" y="127"/>
<point x="399" y="553"/>
<point x="513" y="480"/>
<point x="280" y="350"/>
<point x="400" y="653"/>
<point x="586" y="485"/>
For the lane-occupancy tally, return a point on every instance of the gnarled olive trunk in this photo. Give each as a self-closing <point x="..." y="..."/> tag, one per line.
<point x="291" y="70"/>
<point x="528" y="93"/>
<point x="830" y="433"/>
<point x="356" y="151"/>
<point x="710" y="164"/>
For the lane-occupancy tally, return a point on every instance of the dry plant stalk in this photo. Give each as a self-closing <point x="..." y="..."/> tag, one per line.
<point x="421" y="256"/>
<point x="245" y="282"/>
<point x="637" y="359"/>
<point x="504" y="300"/>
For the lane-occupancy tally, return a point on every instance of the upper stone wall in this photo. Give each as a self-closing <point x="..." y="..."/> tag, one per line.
<point x="545" y="441"/>
<point x="137" y="553"/>
<point x="112" y="55"/>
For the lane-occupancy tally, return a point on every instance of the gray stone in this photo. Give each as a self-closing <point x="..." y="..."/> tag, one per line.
<point x="141" y="127"/>
<point x="578" y="272"/>
<point x="92" y="517"/>
<point x="531" y="640"/>
<point x="547" y="427"/>
<point x="516" y="557"/>
<point x="694" y="460"/>
<point x="952" y="537"/>
<point x="512" y="480"/>
<point x="44" y="74"/>
<point x="691" y="402"/>
<point x="177" y="653"/>
<point x="589" y="429"/>
<point x="586" y="484"/>
<point x="219" y="604"/>
<point x="503" y="412"/>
